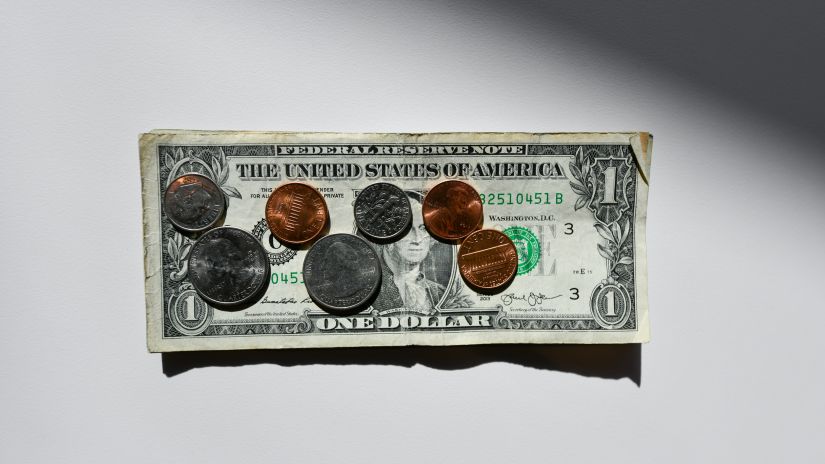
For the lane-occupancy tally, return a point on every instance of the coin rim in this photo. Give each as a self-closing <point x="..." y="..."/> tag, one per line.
<point x="300" y="242"/>
<point x="458" y="237"/>
<point x="258" y="290"/>
<point x="397" y="233"/>
<point x="200" y="229"/>
<point x="466" y="279"/>
<point x="347" y="310"/>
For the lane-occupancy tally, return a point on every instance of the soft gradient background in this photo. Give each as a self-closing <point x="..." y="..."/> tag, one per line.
<point x="733" y="92"/>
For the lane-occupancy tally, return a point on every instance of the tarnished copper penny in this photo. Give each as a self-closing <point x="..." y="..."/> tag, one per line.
<point x="487" y="259"/>
<point x="193" y="203"/>
<point x="296" y="213"/>
<point x="452" y="210"/>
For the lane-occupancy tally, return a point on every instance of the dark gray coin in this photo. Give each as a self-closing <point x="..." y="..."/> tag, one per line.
<point x="228" y="267"/>
<point x="342" y="273"/>
<point x="382" y="211"/>
<point x="193" y="203"/>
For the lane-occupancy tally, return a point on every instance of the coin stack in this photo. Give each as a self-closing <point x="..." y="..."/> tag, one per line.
<point x="342" y="272"/>
<point x="227" y="266"/>
<point x="487" y="258"/>
<point x="193" y="203"/>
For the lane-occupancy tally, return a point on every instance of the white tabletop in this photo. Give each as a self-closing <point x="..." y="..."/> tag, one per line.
<point x="733" y="96"/>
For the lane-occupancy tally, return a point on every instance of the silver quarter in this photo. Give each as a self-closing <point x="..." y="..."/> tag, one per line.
<point x="382" y="211"/>
<point x="193" y="203"/>
<point x="342" y="273"/>
<point x="228" y="267"/>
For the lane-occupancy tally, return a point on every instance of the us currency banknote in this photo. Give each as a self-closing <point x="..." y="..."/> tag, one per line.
<point x="575" y="205"/>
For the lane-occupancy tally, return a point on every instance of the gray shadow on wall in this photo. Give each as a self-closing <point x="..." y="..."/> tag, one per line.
<point x="763" y="57"/>
<point x="604" y="361"/>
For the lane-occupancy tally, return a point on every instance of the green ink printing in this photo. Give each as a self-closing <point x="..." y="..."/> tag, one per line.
<point x="527" y="247"/>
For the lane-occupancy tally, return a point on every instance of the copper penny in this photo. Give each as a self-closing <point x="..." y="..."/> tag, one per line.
<point x="487" y="259"/>
<point x="452" y="210"/>
<point x="296" y="213"/>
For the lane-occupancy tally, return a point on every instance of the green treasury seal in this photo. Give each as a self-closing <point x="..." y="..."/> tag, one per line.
<point x="527" y="246"/>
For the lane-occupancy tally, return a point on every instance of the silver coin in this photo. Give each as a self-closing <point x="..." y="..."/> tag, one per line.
<point x="382" y="211"/>
<point x="193" y="203"/>
<point x="342" y="273"/>
<point x="228" y="267"/>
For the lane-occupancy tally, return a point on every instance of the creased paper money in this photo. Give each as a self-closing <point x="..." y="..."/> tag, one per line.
<point x="575" y="206"/>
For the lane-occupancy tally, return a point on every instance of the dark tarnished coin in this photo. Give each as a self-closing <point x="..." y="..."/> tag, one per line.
<point x="382" y="211"/>
<point x="341" y="273"/>
<point x="193" y="203"/>
<point x="296" y="213"/>
<point x="228" y="267"/>
<point x="452" y="210"/>
<point x="487" y="259"/>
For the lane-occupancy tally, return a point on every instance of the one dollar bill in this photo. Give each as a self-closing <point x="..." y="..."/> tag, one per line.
<point x="575" y="206"/>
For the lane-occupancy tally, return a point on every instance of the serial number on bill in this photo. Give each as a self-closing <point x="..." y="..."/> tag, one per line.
<point x="294" y="277"/>
<point x="522" y="198"/>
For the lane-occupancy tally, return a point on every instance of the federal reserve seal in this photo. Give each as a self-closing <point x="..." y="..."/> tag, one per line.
<point x="527" y="247"/>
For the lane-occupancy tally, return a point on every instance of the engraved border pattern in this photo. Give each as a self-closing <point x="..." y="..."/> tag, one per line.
<point x="213" y="159"/>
